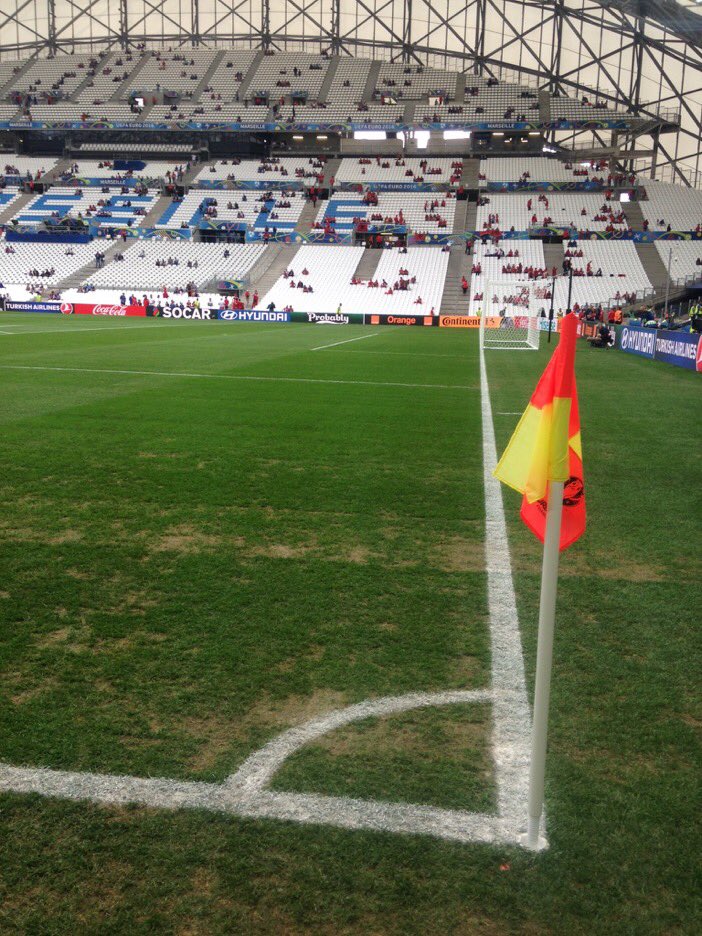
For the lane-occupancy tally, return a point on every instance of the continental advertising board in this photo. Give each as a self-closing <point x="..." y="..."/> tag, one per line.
<point x="467" y="321"/>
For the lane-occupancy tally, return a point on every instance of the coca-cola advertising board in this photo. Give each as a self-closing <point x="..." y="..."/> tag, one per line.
<point x="104" y="309"/>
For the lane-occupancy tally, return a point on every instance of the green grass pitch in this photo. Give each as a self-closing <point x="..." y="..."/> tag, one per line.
<point x="192" y="561"/>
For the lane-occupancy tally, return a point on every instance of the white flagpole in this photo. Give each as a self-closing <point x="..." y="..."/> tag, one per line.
<point x="544" y="655"/>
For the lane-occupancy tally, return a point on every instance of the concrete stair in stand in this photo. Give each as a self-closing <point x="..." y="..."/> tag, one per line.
<point x="153" y="216"/>
<point x="7" y="87"/>
<point x="248" y="76"/>
<point x="54" y="175"/>
<point x="459" y="218"/>
<point x="553" y="257"/>
<point x="471" y="216"/>
<point x="16" y="207"/>
<point x="269" y="268"/>
<point x="453" y="302"/>
<point x="655" y="267"/>
<point x="469" y="176"/>
<point x="368" y="264"/>
<point x="133" y="68"/>
<point x="306" y="219"/>
<point x="328" y="78"/>
<point x="109" y="248"/>
<point x="205" y="80"/>
<point x="371" y="82"/>
<point x="634" y="215"/>
<point x="331" y="168"/>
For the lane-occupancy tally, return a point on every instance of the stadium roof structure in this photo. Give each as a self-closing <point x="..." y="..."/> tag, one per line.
<point x="644" y="56"/>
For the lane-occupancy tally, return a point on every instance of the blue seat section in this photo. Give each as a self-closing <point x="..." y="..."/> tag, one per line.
<point x="6" y="197"/>
<point x="115" y="208"/>
<point x="344" y="211"/>
<point x="262" y="221"/>
<point x="193" y="221"/>
<point x="169" y="212"/>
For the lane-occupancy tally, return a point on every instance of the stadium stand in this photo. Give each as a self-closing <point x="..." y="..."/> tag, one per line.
<point x="327" y="268"/>
<point x="406" y="170"/>
<point x="224" y="82"/>
<point x="103" y="171"/>
<point x="19" y="168"/>
<point x="414" y="82"/>
<point x="534" y="168"/>
<point x="190" y="263"/>
<point x="330" y="272"/>
<point x="275" y="170"/>
<point x="281" y="74"/>
<point x="41" y="263"/>
<point x="580" y="210"/>
<point x="281" y="210"/>
<point x="671" y="206"/>
<point x="90" y="205"/>
<point x="180" y="71"/>
<point x="686" y="259"/>
<point x="105" y="78"/>
<point x="411" y="209"/>
<point x="53" y="78"/>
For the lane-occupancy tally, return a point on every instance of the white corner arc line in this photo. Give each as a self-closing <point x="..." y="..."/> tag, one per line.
<point x="346" y="341"/>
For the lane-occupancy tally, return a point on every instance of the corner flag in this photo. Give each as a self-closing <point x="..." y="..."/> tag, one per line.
<point x="543" y="461"/>
<point x="546" y="445"/>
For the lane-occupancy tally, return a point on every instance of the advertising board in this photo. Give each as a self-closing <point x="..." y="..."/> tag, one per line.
<point x="467" y="321"/>
<point x="423" y="320"/>
<point x="640" y="341"/>
<point x="678" y="348"/>
<point x="249" y="315"/>
<point x="107" y="309"/>
<point x="11" y="306"/>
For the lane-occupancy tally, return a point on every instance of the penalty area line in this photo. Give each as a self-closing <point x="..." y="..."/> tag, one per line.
<point x="346" y="341"/>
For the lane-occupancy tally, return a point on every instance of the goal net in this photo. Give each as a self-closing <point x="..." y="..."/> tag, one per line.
<point x="510" y="311"/>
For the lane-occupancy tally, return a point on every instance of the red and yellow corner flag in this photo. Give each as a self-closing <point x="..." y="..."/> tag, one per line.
<point x="546" y="445"/>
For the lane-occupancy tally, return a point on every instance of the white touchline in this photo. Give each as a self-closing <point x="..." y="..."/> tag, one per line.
<point x="247" y="792"/>
<point x="454" y="357"/>
<point x="71" y="330"/>
<point x="301" y="380"/>
<point x="511" y="713"/>
<point x="335" y="343"/>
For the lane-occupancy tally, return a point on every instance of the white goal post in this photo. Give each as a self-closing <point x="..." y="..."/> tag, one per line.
<point x="510" y="311"/>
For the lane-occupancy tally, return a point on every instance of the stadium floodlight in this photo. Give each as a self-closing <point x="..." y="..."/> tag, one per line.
<point x="509" y="318"/>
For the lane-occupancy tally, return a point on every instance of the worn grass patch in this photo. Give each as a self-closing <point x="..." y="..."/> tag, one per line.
<point x="435" y="756"/>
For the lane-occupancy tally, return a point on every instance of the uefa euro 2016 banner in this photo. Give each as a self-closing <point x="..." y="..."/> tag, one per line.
<point x="683" y="349"/>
